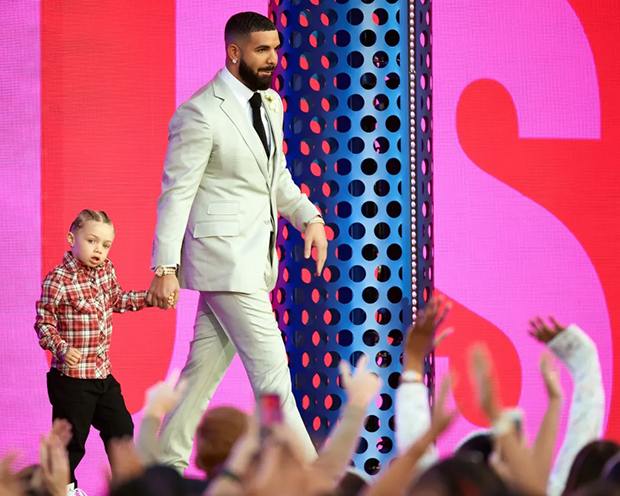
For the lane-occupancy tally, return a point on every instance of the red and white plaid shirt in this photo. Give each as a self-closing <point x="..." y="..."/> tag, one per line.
<point x="75" y="311"/>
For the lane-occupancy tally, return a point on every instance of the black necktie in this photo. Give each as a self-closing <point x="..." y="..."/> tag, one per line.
<point x="257" y="121"/>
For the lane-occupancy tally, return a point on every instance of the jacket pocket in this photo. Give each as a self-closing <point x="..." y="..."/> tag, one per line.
<point x="209" y="229"/>
<point x="223" y="208"/>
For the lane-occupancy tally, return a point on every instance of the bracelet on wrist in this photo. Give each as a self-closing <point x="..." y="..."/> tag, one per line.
<point x="315" y="220"/>
<point x="411" y="377"/>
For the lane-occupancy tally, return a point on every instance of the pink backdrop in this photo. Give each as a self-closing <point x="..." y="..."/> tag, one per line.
<point x="504" y="251"/>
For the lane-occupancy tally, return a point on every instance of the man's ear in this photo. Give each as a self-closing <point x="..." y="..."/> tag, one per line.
<point x="71" y="239"/>
<point x="234" y="52"/>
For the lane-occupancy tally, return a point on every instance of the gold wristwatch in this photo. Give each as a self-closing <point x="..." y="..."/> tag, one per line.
<point x="165" y="271"/>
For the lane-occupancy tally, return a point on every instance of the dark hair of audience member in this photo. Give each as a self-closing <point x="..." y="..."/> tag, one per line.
<point x="477" y="448"/>
<point x="598" y="488"/>
<point x="611" y="471"/>
<point x="216" y="435"/>
<point x="460" y="477"/>
<point x="589" y="463"/>
<point x="351" y="484"/>
<point x="156" y="481"/>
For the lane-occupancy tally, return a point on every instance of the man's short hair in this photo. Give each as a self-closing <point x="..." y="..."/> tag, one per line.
<point x="244" y="24"/>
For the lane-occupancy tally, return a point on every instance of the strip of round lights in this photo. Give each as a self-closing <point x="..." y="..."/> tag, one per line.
<point x="413" y="161"/>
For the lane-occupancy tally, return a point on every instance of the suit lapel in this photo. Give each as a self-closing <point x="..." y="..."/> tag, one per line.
<point x="230" y="106"/>
<point x="274" y="118"/>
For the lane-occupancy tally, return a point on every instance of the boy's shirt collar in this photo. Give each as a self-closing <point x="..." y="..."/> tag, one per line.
<point x="74" y="265"/>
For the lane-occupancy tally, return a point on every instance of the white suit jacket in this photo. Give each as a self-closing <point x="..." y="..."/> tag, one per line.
<point x="221" y="194"/>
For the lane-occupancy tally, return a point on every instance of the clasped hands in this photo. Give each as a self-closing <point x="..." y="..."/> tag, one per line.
<point x="164" y="292"/>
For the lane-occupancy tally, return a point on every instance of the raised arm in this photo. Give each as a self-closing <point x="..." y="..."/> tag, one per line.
<point x="159" y="400"/>
<point x="587" y="411"/>
<point x="413" y="416"/>
<point x="402" y="471"/>
<point x="361" y="388"/>
<point x="544" y="445"/>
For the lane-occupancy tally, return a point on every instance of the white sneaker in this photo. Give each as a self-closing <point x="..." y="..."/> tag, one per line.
<point x="78" y="492"/>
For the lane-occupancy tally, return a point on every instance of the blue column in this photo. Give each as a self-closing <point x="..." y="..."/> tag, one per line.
<point x="354" y="133"/>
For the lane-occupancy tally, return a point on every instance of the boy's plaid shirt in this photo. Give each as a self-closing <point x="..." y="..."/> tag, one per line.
<point x="75" y="310"/>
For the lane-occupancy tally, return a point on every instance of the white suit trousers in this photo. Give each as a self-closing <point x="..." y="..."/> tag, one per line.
<point x="227" y="323"/>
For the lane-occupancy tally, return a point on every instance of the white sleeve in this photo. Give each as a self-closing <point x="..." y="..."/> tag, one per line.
<point x="413" y="419"/>
<point x="587" y="411"/>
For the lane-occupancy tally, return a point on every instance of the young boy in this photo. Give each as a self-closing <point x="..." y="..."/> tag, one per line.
<point x="74" y="322"/>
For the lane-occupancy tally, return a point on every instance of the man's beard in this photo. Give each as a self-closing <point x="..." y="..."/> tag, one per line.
<point x="252" y="79"/>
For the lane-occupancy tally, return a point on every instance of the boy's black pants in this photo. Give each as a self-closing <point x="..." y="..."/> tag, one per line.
<point x="86" y="402"/>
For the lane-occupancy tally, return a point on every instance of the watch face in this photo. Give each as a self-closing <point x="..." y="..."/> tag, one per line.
<point x="159" y="271"/>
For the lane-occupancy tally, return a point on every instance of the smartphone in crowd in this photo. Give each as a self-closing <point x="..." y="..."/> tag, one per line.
<point x="270" y="413"/>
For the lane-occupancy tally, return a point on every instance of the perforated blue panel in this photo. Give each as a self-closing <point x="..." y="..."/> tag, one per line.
<point x="345" y="84"/>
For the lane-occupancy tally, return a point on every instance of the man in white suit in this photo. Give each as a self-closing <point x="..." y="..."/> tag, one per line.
<point x="225" y="180"/>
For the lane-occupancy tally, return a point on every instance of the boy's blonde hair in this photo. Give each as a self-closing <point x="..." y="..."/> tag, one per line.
<point x="85" y="215"/>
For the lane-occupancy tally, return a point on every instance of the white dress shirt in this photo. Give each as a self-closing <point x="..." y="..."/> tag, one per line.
<point x="243" y="95"/>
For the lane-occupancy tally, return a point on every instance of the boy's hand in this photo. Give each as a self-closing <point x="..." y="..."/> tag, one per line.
<point x="73" y="357"/>
<point x="172" y="300"/>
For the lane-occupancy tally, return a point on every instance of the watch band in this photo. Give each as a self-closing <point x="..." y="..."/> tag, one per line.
<point x="163" y="270"/>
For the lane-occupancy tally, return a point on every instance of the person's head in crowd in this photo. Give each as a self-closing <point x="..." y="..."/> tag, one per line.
<point x="353" y="483"/>
<point x="31" y="480"/>
<point x="476" y="447"/>
<point x="251" y="44"/>
<point x="459" y="477"/>
<point x="598" y="488"/>
<point x="217" y="433"/>
<point x="611" y="471"/>
<point x="589" y="463"/>
<point x="90" y="237"/>
<point x="155" y="481"/>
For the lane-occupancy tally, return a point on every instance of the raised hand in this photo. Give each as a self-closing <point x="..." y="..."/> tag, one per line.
<point x="362" y="386"/>
<point x="164" y="396"/>
<point x="442" y="419"/>
<point x="481" y="365"/>
<point x="9" y="484"/>
<point x="73" y="357"/>
<point x="61" y="428"/>
<point x="315" y="236"/>
<point x="550" y="376"/>
<point x="124" y="461"/>
<point x="420" y="337"/>
<point x="544" y="332"/>
<point x="54" y="461"/>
